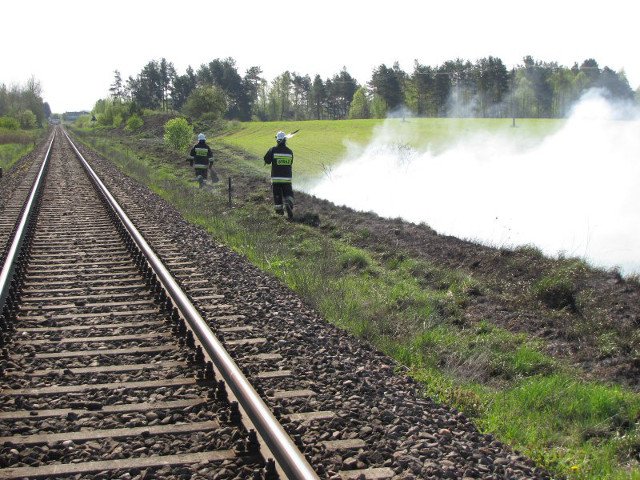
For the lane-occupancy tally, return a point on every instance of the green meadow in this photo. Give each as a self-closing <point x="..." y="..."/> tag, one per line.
<point x="321" y="144"/>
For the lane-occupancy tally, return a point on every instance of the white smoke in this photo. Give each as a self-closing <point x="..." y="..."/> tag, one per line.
<point x="575" y="192"/>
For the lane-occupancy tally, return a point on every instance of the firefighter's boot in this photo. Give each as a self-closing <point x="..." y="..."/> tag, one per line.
<point x="288" y="205"/>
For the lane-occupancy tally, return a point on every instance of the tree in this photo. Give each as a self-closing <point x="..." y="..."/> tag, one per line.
<point x="301" y="88"/>
<point x="153" y="86"/>
<point x="535" y="82"/>
<point x="166" y="77"/>
<point x="340" y="91"/>
<point x="616" y="84"/>
<point x="183" y="85"/>
<point x="592" y="72"/>
<point x="318" y="97"/>
<point x="207" y="99"/>
<point x="280" y="97"/>
<point x="378" y="106"/>
<point x="117" y="89"/>
<point x="359" y="104"/>
<point x="441" y="90"/>
<point x="31" y="100"/>
<point x="463" y="88"/>
<point x="224" y="75"/>
<point x="492" y="85"/>
<point x="419" y="95"/>
<point x="27" y="119"/>
<point x="386" y="83"/>
<point x="252" y="84"/>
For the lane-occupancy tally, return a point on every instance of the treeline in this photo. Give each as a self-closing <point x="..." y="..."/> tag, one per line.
<point x="457" y="88"/>
<point x="22" y="106"/>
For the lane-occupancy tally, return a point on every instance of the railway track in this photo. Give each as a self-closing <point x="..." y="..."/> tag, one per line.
<point x="96" y="384"/>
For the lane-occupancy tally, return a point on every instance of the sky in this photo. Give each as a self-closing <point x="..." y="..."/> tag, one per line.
<point x="72" y="47"/>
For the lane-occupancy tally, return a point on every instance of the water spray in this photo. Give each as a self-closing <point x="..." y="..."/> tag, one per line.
<point x="289" y="135"/>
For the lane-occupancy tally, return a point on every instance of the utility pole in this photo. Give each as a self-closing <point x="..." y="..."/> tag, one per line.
<point x="513" y="97"/>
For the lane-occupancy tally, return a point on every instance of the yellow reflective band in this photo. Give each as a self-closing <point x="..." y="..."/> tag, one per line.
<point x="283" y="158"/>
<point x="202" y="152"/>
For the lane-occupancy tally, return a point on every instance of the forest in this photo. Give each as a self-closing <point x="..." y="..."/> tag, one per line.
<point x="485" y="88"/>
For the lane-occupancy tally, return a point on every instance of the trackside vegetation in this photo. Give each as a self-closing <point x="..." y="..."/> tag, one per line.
<point x="16" y="143"/>
<point x="542" y="406"/>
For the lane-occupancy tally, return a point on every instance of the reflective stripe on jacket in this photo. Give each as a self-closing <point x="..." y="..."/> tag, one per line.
<point x="280" y="158"/>
<point x="201" y="154"/>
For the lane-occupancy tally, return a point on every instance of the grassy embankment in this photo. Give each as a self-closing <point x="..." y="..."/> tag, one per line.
<point x="573" y="427"/>
<point x="15" y="144"/>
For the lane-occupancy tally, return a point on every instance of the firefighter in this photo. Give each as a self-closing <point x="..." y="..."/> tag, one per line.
<point x="201" y="158"/>
<point x="280" y="158"/>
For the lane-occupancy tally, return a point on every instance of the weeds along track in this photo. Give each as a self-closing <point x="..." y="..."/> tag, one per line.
<point x="94" y="378"/>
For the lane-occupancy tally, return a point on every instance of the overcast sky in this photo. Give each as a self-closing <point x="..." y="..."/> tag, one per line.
<point x="73" y="46"/>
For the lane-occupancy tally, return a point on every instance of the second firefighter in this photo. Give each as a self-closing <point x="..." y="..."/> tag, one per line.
<point x="280" y="158"/>
<point x="201" y="158"/>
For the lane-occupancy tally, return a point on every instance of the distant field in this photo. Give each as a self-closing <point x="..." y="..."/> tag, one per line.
<point x="323" y="143"/>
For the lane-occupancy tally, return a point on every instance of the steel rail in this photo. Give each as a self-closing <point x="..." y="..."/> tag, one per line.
<point x="286" y="454"/>
<point x="9" y="266"/>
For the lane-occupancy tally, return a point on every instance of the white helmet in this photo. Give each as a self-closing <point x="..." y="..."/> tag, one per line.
<point x="281" y="137"/>
<point x="201" y="137"/>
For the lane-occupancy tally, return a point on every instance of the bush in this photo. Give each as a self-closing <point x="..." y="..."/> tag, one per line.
<point x="134" y="123"/>
<point x="178" y="133"/>
<point x="83" y="121"/>
<point x="110" y="113"/>
<point x="9" y="123"/>
<point x="27" y="119"/>
<point x="206" y="100"/>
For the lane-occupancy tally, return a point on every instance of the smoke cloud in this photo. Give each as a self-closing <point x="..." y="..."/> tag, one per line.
<point x="575" y="192"/>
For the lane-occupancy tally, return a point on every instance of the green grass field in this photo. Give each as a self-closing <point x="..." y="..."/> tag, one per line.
<point x="321" y="144"/>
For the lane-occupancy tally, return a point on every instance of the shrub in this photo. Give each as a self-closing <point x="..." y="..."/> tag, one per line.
<point x="117" y="120"/>
<point x="206" y="100"/>
<point x="83" y="121"/>
<point x="134" y="123"/>
<point x="110" y="113"/>
<point x="9" y="123"/>
<point x="178" y="133"/>
<point x="27" y="119"/>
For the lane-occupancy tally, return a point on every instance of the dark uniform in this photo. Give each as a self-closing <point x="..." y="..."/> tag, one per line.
<point x="280" y="158"/>
<point x="202" y="160"/>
